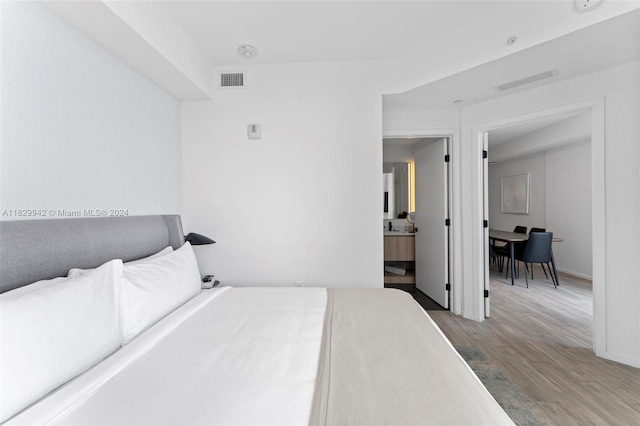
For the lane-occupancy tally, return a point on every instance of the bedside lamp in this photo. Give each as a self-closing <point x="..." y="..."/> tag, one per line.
<point x="200" y="240"/>
<point x="197" y="239"/>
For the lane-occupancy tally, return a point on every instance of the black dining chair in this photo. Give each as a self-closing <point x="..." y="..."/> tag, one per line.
<point x="496" y="258"/>
<point x="543" y="270"/>
<point x="520" y="229"/>
<point x="503" y="251"/>
<point x="538" y="250"/>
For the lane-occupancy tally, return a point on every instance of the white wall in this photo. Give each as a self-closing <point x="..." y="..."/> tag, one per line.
<point x="560" y="201"/>
<point x="397" y="153"/>
<point x="80" y="129"/>
<point x="568" y="206"/>
<point x="617" y="307"/>
<point x="534" y="165"/>
<point x="146" y="37"/>
<point x="304" y="202"/>
<point x="399" y="121"/>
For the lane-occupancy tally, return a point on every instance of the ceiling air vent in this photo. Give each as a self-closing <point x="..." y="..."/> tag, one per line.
<point x="527" y="80"/>
<point x="231" y="80"/>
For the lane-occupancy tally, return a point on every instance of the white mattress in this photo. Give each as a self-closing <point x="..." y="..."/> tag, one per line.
<point x="276" y="333"/>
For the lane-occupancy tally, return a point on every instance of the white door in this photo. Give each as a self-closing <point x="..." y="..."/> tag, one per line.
<point x="485" y="198"/>
<point x="432" y="238"/>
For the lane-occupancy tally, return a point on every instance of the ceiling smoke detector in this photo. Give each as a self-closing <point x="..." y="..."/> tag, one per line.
<point x="247" y="51"/>
<point x="584" y="5"/>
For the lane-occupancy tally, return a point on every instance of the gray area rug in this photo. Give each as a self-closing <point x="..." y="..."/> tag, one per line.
<point x="516" y="405"/>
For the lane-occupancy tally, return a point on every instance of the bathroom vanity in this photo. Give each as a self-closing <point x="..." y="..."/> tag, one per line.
<point x="400" y="255"/>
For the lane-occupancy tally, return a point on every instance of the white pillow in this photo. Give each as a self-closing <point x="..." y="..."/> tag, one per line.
<point x="35" y="286"/>
<point x="153" y="289"/>
<point x="52" y="334"/>
<point x="76" y="272"/>
<point x="161" y="253"/>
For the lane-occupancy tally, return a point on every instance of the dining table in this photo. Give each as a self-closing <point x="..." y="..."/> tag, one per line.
<point x="513" y="238"/>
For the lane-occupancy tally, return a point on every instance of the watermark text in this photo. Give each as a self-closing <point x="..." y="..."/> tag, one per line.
<point x="27" y="213"/>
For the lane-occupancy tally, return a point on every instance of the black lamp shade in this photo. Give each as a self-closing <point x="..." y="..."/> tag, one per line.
<point x="197" y="239"/>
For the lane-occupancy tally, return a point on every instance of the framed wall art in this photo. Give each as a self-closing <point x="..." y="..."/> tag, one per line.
<point x="515" y="194"/>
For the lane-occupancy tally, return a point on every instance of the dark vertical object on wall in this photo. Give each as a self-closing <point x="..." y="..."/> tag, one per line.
<point x="386" y="201"/>
<point x="198" y="239"/>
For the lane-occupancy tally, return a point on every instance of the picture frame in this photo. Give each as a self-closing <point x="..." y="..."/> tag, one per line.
<point x="515" y="194"/>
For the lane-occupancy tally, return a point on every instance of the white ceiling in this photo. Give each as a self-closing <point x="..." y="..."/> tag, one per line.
<point x="606" y="44"/>
<point x="505" y="134"/>
<point x="308" y="31"/>
<point x="314" y="31"/>
<point x="429" y="41"/>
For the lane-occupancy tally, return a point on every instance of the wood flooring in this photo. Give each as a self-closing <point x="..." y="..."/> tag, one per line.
<point x="541" y="340"/>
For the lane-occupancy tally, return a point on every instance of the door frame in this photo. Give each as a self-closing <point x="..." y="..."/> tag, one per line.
<point x="597" y="110"/>
<point x="485" y="217"/>
<point x="455" y="253"/>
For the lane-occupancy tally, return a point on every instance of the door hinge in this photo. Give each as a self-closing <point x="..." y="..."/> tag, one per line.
<point x="486" y="293"/>
<point x="447" y="158"/>
<point x="447" y="287"/>
<point x="485" y="154"/>
<point x="485" y="223"/>
<point x="447" y="222"/>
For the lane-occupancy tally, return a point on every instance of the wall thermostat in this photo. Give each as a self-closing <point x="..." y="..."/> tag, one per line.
<point x="254" y="131"/>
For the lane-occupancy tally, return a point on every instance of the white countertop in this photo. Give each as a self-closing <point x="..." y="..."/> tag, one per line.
<point x="398" y="234"/>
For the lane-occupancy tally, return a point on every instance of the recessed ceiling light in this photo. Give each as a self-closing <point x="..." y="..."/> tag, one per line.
<point x="512" y="40"/>
<point x="247" y="51"/>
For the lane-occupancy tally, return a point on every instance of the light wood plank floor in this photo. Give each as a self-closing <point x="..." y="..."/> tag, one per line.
<point x="541" y="339"/>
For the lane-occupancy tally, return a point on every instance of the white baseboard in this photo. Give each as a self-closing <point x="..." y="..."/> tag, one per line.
<point x="575" y="274"/>
<point x="621" y="358"/>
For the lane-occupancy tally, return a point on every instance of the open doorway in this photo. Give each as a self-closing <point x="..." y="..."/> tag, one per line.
<point x="417" y="247"/>
<point x="554" y="154"/>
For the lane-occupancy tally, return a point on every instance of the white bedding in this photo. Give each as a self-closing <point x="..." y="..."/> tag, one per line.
<point x="263" y="342"/>
<point x="279" y="356"/>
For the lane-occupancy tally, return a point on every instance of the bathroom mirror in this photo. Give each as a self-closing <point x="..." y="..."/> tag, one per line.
<point x="397" y="190"/>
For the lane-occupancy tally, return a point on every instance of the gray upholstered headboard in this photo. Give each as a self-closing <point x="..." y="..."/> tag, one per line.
<point x="33" y="250"/>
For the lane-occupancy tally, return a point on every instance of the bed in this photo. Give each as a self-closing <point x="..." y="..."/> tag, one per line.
<point x="147" y="351"/>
